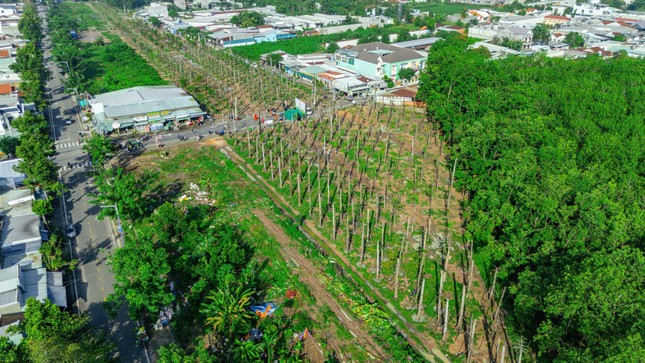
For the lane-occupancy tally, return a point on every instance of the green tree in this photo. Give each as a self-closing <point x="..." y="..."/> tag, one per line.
<point x="637" y="5"/>
<point x="407" y="74"/>
<point x="389" y="81"/>
<point x="542" y="33"/>
<point x="52" y="254"/>
<point x="403" y="36"/>
<point x="41" y="172"/>
<point x="248" y="19"/>
<point x="141" y="272"/>
<point x="8" y="145"/>
<point x="29" y="25"/>
<point x="620" y="38"/>
<point x="54" y="335"/>
<point x="99" y="148"/>
<point x="154" y="21"/>
<point x="246" y="351"/>
<point x="31" y="124"/>
<point x="117" y="187"/>
<point x="227" y="312"/>
<point x="173" y="11"/>
<point x="551" y="193"/>
<point x="11" y="353"/>
<point x="575" y="40"/>
<point x="274" y="59"/>
<point x="332" y="47"/>
<point x="42" y="208"/>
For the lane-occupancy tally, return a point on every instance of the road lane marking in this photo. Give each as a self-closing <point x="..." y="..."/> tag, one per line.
<point x="102" y="289"/>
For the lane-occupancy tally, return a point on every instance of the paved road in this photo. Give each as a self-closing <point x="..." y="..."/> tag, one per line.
<point x="93" y="280"/>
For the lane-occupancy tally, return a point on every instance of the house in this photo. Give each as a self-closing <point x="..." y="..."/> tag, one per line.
<point x="518" y="34"/>
<point x="398" y="96"/>
<point x="143" y="109"/>
<point x="594" y="8"/>
<point x="7" y="10"/>
<point x="379" y="59"/>
<point x="22" y="274"/>
<point x="496" y="51"/>
<point x="556" y="20"/>
<point x="521" y="21"/>
<point x="418" y="44"/>
<point x="158" y="10"/>
<point x="9" y="177"/>
<point x="245" y="36"/>
<point x="7" y="75"/>
<point x="450" y="28"/>
<point x="487" y="32"/>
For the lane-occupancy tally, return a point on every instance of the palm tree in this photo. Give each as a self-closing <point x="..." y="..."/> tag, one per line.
<point x="227" y="312"/>
<point x="246" y="351"/>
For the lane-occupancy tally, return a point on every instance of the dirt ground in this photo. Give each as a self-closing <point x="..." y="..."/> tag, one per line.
<point x="308" y="274"/>
<point x="90" y="36"/>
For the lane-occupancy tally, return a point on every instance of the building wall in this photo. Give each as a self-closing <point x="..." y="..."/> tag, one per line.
<point x="392" y="69"/>
<point x="366" y="68"/>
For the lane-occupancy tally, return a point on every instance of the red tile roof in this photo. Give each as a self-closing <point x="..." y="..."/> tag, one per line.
<point x="404" y="92"/>
<point x="5" y="89"/>
<point x="4" y="53"/>
<point x="559" y="17"/>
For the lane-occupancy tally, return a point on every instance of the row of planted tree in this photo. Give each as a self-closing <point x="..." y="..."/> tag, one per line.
<point x="50" y="334"/>
<point x="221" y="81"/>
<point x="33" y="146"/>
<point x="377" y="182"/>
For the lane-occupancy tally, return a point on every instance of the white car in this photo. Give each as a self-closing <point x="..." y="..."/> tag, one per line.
<point x="68" y="122"/>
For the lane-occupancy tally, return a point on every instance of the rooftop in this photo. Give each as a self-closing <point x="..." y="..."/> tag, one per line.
<point x="388" y="53"/>
<point x="144" y="100"/>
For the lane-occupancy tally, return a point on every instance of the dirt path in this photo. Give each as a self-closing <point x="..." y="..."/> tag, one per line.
<point x="308" y="275"/>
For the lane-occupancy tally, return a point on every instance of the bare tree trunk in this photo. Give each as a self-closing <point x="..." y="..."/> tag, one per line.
<point x="333" y="220"/>
<point x="280" y="170"/>
<point x="271" y="160"/>
<point x="378" y="260"/>
<point x="299" y="193"/>
<point x="309" y="187"/>
<point x="419" y="316"/>
<point x="471" y="341"/>
<point x="491" y="293"/>
<point x="442" y="279"/>
<point x="362" y="245"/>
<point x="462" y="305"/>
<point x="445" y="321"/>
<point x="396" y="277"/>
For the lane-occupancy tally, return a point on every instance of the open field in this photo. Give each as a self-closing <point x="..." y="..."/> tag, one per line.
<point x="295" y="263"/>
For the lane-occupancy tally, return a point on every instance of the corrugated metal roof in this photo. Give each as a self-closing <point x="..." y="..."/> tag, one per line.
<point x="145" y="107"/>
<point x="7" y="171"/>
<point x="313" y="70"/>
<point x="138" y="94"/>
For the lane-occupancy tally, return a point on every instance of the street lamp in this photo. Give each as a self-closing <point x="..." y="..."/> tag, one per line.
<point x="120" y="227"/>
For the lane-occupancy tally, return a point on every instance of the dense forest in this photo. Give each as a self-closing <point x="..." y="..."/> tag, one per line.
<point x="550" y="153"/>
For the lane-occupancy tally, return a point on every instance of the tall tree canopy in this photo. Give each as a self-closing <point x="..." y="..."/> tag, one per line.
<point x="550" y="153"/>
<point x="53" y="335"/>
<point x="247" y="19"/>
